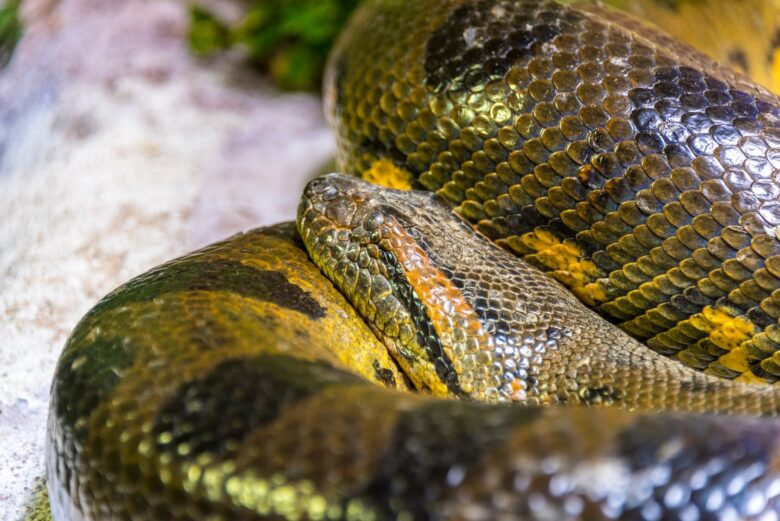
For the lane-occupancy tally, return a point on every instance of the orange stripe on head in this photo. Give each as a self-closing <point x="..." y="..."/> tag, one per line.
<point x="362" y="238"/>
<point x="463" y="337"/>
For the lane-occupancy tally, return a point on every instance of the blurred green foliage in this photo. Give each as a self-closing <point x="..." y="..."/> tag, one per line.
<point x="10" y="30"/>
<point x="289" y="39"/>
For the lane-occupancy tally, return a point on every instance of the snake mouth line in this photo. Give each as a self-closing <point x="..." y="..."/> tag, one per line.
<point x="364" y="247"/>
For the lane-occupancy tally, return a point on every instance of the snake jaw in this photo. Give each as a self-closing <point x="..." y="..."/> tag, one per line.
<point x="362" y="238"/>
<point x="358" y="237"/>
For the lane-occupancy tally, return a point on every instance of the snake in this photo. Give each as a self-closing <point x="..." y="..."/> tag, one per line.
<point x="561" y="303"/>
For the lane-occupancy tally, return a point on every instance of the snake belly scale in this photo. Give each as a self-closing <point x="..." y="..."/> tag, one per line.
<point x="238" y="382"/>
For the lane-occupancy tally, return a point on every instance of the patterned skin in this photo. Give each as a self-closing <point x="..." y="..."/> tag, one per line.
<point x="463" y="317"/>
<point x="631" y="168"/>
<point x="748" y="39"/>
<point x="237" y="382"/>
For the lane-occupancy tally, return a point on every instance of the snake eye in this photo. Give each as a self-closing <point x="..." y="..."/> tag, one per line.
<point x="330" y="193"/>
<point x="373" y="220"/>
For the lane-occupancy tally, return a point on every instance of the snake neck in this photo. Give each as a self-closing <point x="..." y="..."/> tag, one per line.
<point x="464" y="318"/>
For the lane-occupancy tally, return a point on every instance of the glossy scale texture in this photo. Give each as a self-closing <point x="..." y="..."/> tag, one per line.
<point x="633" y="169"/>
<point x="488" y="326"/>
<point x="493" y="327"/>
<point x="237" y="382"/>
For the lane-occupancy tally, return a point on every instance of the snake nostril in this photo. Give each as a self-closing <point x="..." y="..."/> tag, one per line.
<point x="329" y="187"/>
<point x="317" y="186"/>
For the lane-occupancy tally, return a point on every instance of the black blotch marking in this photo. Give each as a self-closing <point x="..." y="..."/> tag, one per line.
<point x="339" y="72"/>
<point x="760" y="318"/>
<point x="85" y="376"/>
<point x="762" y="363"/>
<point x="738" y="58"/>
<point x="774" y="44"/>
<point x="717" y="369"/>
<point x="527" y="219"/>
<point x="604" y="395"/>
<point x="480" y="41"/>
<point x="760" y="372"/>
<point x="383" y="375"/>
<point x="377" y="148"/>
<point x="429" y="441"/>
<point x="689" y="445"/>
<point x="217" y="411"/>
<point x="697" y="356"/>
<point x="199" y="273"/>
<point x="90" y="368"/>
<point x="426" y="333"/>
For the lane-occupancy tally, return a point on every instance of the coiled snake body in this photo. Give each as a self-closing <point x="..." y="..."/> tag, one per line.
<point x="234" y="383"/>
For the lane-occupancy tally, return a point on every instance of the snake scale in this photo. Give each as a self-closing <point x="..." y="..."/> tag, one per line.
<point x="238" y="383"/>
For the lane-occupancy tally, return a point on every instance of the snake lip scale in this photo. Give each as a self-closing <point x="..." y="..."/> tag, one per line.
<point x="562" y="305"/>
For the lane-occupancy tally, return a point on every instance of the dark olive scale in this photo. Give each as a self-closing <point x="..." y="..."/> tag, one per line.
<point x="493" y="302"/>
<point x="384" y="375"/>
<point x="216" y="412"/>
<point x="218" y="404"/>
<point x="542" y="347"/>
<point x="443" y="433"/>
<point x="637" y="148"/>
<point x="199" y="274"/>
<point x="179" y="367"/>
<point x="105" y="360"/>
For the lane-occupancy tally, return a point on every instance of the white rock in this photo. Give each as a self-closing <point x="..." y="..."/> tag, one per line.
<point x="119" y="151"/>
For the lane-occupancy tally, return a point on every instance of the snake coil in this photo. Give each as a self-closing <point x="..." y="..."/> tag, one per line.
<point x="235" y="382"/>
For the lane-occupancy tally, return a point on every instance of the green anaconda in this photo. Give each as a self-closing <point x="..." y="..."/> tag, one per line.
<point x="238" y="383"/>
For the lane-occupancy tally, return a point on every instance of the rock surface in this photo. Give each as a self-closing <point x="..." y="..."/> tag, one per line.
<point x="118" y="151"/>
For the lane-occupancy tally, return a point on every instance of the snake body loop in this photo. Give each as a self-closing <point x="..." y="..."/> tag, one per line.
<point x="238" y="383"/>
<point x="634" y="170"/>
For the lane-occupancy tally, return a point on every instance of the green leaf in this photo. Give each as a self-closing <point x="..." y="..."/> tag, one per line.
<point x="207" y="35"/>
<point x="289" y="39"/>
<point x="297" y="67"/>
<point x="10" y="30"/>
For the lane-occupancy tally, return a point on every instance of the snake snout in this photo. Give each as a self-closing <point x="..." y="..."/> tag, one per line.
<point x="333" y="183"/>
<point x="336" y="197"/>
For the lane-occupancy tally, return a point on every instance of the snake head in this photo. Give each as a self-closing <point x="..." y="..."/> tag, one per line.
<point x="377" y="246"/>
